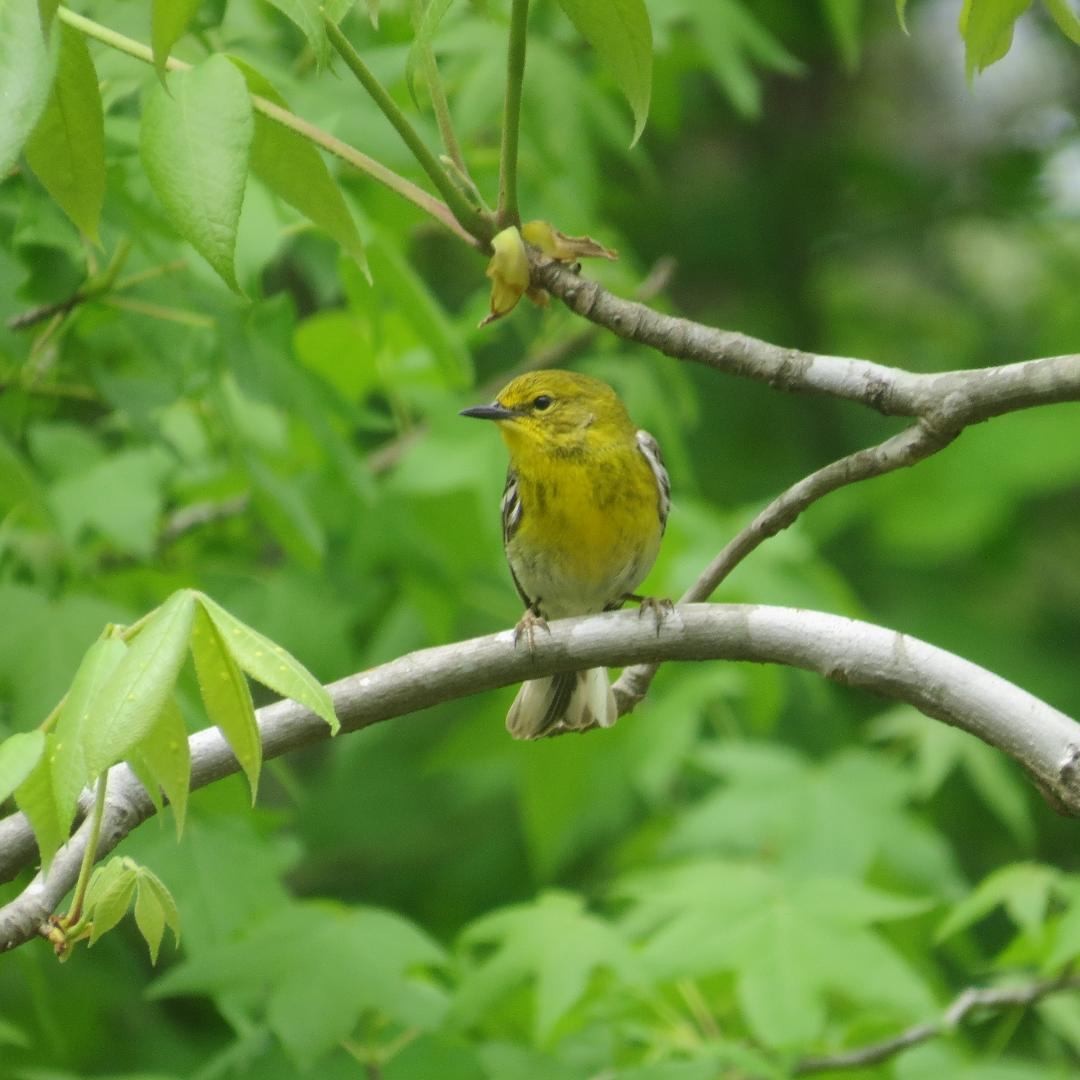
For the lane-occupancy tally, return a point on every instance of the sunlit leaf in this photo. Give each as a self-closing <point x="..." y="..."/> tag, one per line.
<point x="154" y="910"/>
<point x="987" y="29"/>
<point x="1067" y="20"/>
<point x="270" y="664"/>
<point x="27" y="65"/>
<point x="19" y="754"/>
<point x="226" y="695"/>
<point x="67" y="147"/>
<point x="109" y="894"/>
<point x="165" y="755"/>
<point x="195" y="142"/>
<point x="133" y="696"/>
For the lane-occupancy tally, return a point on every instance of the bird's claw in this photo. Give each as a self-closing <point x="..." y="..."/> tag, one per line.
<point x="526" y="628"/>
<point x="660" y="606"/>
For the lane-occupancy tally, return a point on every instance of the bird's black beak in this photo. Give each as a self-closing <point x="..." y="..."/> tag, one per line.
<point x="494" y="411"/>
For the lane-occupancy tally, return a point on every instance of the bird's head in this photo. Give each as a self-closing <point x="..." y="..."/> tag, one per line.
<point x="556" y="412"/>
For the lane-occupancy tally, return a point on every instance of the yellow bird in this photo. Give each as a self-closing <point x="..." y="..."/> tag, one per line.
<point x="584" y="508"/>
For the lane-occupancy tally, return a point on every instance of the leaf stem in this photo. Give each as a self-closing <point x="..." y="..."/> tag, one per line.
<point x="441" y="108"/>
<point x="73" y="916"/>
<point x="323" y="139"/>
<point x="472" y="221"/>
<point x="508" y="213"/>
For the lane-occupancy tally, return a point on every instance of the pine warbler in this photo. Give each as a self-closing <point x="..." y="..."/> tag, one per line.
<point x="585" y="505"/>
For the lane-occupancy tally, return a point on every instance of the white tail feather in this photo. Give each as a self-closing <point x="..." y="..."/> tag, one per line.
<point x="573" y="701"/>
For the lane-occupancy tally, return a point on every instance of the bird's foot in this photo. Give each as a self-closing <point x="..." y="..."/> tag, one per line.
<point x="527" y="626"/>
<point x="660" y="607"/>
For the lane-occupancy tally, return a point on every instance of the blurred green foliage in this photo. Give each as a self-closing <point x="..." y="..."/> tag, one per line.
<point x="754" y="866"/>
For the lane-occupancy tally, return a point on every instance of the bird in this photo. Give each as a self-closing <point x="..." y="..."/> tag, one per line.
<point x="584" y="508"/>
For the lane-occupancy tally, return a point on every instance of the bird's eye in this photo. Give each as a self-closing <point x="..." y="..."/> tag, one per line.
<point x="542" y="402"/>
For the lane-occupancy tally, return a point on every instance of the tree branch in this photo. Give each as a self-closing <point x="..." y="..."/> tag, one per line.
<point x="902" y="450"/>
<point x="949" y="400"/>
<point x="944" y="686"/>
<point x="964" y="1003"/>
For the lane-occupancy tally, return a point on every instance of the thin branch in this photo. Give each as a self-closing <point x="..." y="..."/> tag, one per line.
<point x="902" y="450"/>
<point x="1045" y="741"/>
<point x="468" y="217"/>
<point x="441" y="107"/>
<point x="195" y="515"/>
<point x="508" y="212"/>
<point x="962" y="1006"/>
<point x="948" y="401"/>
<point x="343" y="151"/>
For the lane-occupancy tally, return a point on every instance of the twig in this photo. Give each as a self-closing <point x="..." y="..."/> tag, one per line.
<point x="198" y="514"/>
<point x="343" y="151"/>
<point x="949" y="400"/>
<point x="508" y="212"/>
<point x="944" y="686"/>
<point x="474" y="223"/>
<point x="909" y="446"/>
<point x="962" y="1005"/>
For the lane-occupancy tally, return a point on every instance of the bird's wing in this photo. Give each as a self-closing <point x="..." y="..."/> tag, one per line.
<point x="650" y="448"/>
<point x="511" y="519"/>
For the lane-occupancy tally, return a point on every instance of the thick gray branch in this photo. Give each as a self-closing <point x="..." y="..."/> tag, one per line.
<point x="950" y="400"/>
<point x="1043" y="740"/>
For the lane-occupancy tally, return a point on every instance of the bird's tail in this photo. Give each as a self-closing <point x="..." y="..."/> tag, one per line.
<point x="569" y="701"/>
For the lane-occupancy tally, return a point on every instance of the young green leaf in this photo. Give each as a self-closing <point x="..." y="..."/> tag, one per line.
<point x="226" y="695"/>
<point x="1023" y="889"/>
<point x="270" y="664"/>
<point x="293" y="169"/>
<point x="18" y="755"/>
<point x="1067" y="20"/>
<point x="67" y="756"/>
<point x="36" y="798"/>
<point x="47" y="9"/>
<point x="424" y="33"/>
<point x="26" y="73"/>
<point x="195" y="143"/>
<point x="987" y="29"/>
<point x="168" y="24"/>
<point x="165" y="757"/>
<point x="133" y="696"/>
<point x="154" y="910"/>
<point x="67" y="147"/>
<point x="109" y="895"/>
<point x="620" y="32"/>
<point x="901" y="14"/>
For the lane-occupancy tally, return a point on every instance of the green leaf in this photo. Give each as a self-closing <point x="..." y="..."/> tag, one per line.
<point x="108" y="895"/>
<point x="901" y="15"/>
<point x="135" y="694"/>
<point x="1066" y="18"/>
<point x="1023" y="889"/>
<point x="47" y="9"/>
<point x="270" y="664"/>
<point x="120" y="497"/>
<point x="27" y="65"/>
<point x="555" y="944"/>
<point x="845" y="23"/>
<point x="293" y="169"/>
<point x="424" y="34"/>
<point x="168" y="24"/>
<point x="620" y="33"/>
<point x="67" y="757"/>
<point x="18" y="755"/>
<point x="164" y="755"/>
<point x="195" y="143"/>
<point x="67" y="147"/>
<point x="154" y="910"/>
<point x="306" y="15"/>
<point x="987" y="29"/>
<point x="36" y="798"/>
<point x="315" y="969"/>
<point x="286" y="512"/>
<point x="226" y="695"/>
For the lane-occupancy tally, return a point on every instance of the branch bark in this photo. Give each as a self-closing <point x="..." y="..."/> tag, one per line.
<point x="1042" y="739"/>
<point x="948" y="401"/>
